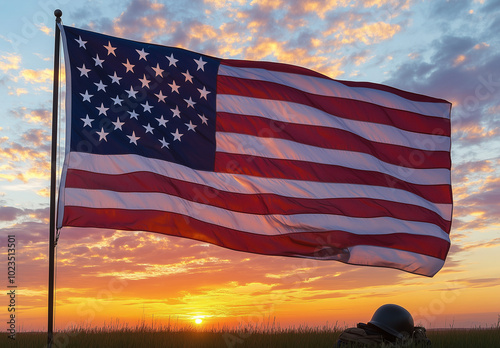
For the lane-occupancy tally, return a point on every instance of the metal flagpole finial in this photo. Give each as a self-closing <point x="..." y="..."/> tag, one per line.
<point x="58" y="14"/>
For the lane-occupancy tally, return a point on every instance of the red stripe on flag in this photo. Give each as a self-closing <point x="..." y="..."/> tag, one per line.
<point x="252" y="204"/>
<point x="338" y="107"/>
<point x="300" y="170"/>
<point x="331" y="138"/>
<point x="292" y="69"/>
<point x="290" y="244"/>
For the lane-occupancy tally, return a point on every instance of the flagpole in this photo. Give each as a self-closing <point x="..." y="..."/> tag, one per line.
<point x="53" y="173"/>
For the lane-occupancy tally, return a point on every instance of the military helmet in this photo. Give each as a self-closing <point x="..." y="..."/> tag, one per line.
<point x="393" y="320"/>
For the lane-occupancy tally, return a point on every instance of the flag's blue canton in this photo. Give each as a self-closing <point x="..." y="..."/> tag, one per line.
<point x="135" y="98"/>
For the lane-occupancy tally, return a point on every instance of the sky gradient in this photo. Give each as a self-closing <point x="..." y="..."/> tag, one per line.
<point x="445" y="49"/>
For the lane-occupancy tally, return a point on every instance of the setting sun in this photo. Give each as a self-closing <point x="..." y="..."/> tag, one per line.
<point x="198" y="321"/>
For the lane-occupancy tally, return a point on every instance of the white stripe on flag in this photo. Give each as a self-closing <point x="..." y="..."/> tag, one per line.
<point x="387" y="257"/>
<point x="287" y="149"/>
<point x="303" y="114"/>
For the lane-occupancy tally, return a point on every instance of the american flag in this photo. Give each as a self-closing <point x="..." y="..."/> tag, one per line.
<point x="259" y="157"/>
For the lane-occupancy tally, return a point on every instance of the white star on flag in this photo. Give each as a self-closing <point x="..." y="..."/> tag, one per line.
<point x="188" y="76"/>
<point x="98" y="61"/>
<point x="87" y="121"/>
<point x="145" y="82"/>
<point x="177" y="135"/>
<point x="172" y="60"/>
<point x="164" y="143"/>
<point x="147" y="107"/>
<point x="111" y="49"/>
<point x="130" y="67"/>
<point x="102" y="109"/>
<point x="200" y="63"/>
<point x="102" y="135"/>
<point x="133" y="138"/>
<point x="86" y="96"/>
<point x="190" y="102"/>
<point x="83" y="71"/>
<point x="191" y="126"/>
<point x="160" y="96"/>
<point x="117" y="101"/>
<point x="131" y="93"/>
<point x="142" y="54"/>
<point x="148" y="128"/>
<point x="81" y="43"/>
<point x="176" y="111"/>
<point x="203" y="93"/>
<point x="162" y="121"/>
<point x="115" y="79"/>
<point x="174" y="87"/>
<point x="118" y="124"/>
<point x="158" y="71"/>
<point x="133" y="114"/>
<point x="101" y="86"/>
<point x="203" y="119"/>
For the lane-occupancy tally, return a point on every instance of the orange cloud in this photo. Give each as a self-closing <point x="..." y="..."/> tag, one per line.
<point x="268" y="48"/>
<point x="271" y="4"/>
<point x="44" y="29"/>
<point x="320" y="7"/>
<point x="156" y="6"/>
<point x="19" y="91"/>
<point x="362" y="58"/>
<point x="230" y="43"/>
<point x="144" y="20"/>
<point x="8" y="177"/>
<point x="481" y="46"/>
<point x="20" y="153"/>
<point x="391" y="3"/>
<point x="38" y="162"/>
<point x="45" y="192"/>
<point x="37" y="137"/>
<point x="476" y="132"/>
<point x="255" y="25"/>
<point x="459" y="60"/>
<point x="203" y="32"/>
<point x="9" y="62"/>
<point x="28" y="159"/>
<point x="224" y="3"/>
<point x="154" y="270"/>
<point x="37" y="76"/>
<point x="41" y="116"/>
<point x="369" y="33"/>
<point x="156" y="27"/>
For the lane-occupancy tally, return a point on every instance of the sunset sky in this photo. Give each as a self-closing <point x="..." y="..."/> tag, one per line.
<point x="445" y="49"/>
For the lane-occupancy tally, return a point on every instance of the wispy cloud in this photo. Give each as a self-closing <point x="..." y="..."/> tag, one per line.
<point x="37" y="76"/>
<point x="9" y="62"/>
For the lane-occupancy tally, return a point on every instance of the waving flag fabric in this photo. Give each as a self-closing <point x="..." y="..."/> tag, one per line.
<point x="258" y="157"/>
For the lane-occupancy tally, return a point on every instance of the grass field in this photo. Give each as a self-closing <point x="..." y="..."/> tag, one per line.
<point x="192" y="338"/>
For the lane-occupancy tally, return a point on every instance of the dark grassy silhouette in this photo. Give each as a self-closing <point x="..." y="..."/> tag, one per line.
<point x="301" y="337"/>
